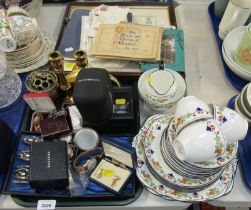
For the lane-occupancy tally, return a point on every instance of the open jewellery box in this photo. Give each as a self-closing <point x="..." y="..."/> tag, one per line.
<point x="116" y="167"/>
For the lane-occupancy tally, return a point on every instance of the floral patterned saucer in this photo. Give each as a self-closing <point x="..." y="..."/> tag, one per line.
<point x="221" y="187"/>
<point x="230" y="153"/>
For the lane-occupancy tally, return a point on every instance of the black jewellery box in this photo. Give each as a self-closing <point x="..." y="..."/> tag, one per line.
<point x="116" y="168"/>
<point x="49" y="165"/>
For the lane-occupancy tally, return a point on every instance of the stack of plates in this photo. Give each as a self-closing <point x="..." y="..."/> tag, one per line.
<point x="31" y="56"/>
<point x="164" y="174"/>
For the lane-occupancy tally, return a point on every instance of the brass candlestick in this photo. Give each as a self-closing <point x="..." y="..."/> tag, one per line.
<point x="57" y="65"/>
<point x="81" y="63"/>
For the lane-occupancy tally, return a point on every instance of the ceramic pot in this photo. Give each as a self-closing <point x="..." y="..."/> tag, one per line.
<point x="236" y="14"/>
<point x="220" y="7"/>
<point x="169" y="94"/>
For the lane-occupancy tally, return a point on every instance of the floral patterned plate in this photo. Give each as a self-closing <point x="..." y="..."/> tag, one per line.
<point x="221" y="187"/>
<point x="231" y="152"/>
<point x="142" y="170"/>
<point x="158" y="164"/>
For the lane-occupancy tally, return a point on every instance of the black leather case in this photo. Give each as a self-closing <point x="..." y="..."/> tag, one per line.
<point x="92" y="96"/>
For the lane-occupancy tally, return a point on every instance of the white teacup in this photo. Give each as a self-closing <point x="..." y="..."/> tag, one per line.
<point x="233" y="126"/>
<point x="190" y="109"/>
<point x="200" y="141"/>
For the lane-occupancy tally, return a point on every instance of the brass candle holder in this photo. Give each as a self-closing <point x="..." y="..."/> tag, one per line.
<point x="81" y="63"/>
<point x="57" y="66"/>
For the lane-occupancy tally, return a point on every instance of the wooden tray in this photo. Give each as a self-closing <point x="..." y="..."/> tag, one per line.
<point x="72" y="6"/>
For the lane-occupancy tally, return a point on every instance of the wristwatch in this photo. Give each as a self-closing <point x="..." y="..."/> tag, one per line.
<point x="82" y="161"/>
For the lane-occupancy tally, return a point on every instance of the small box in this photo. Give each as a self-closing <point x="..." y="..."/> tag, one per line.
<point x="116" y="168"/>
<point x="39" y="102"/>
<point x="42" y="105"/>
<point x="49" y="165"/>
<point x="54" y="127"/>
<point x="122" y="117"/>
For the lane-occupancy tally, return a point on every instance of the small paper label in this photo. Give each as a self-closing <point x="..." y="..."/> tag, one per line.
<point x="107" y="172"/>
<point x="120" y="101"/>
<point x="149" y="79"/>
<point x="69" y="65"/>
<point x="46" y="204"/>
<point x="69" y="49"/>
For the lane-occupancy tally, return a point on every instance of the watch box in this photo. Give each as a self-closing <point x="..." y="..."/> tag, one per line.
<point x="92" y="96"/>
<point x="123" y="113"/>
<point x="49" y="165"/>
<point x="116" y="167"/>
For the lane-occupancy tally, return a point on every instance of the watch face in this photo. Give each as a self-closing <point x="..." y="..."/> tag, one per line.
<point x="121" y="105"/>
<point x="86" y="139"/>
<point x="121" y="108"/>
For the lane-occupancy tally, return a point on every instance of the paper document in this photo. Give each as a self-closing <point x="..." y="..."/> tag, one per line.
<point x="128" y="41"/>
